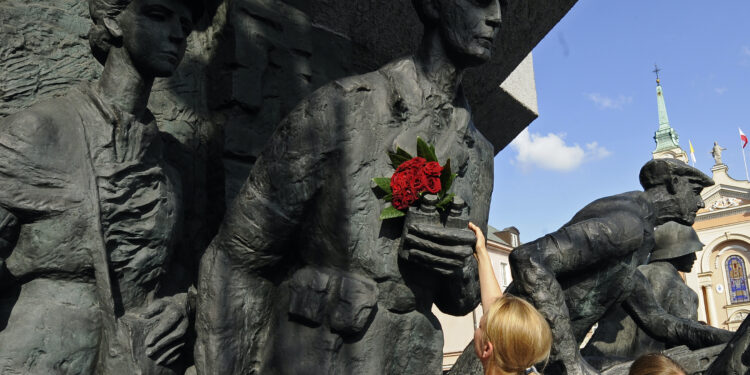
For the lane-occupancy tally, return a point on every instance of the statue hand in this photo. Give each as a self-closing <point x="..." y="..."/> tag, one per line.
<point x="442" y="250"/>
<point x="165" y="341"/>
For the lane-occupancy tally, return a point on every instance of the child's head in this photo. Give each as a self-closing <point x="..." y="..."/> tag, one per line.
<point x="655" y="364"/>
<point x="512" y="336"/>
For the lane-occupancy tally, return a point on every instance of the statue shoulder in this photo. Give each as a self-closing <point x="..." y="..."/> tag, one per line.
<point x="40" y="127"/>
<point x="340" y="103"/>
<point x="46" y="136"/>
<point x="625" y="204"/>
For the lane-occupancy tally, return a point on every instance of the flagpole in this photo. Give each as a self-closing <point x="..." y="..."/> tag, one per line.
<point x="743" y="143"/>
<point x="742" y="150"/>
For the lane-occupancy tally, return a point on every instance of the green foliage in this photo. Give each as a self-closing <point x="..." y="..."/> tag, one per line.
<point x="402" y="152"/>
<point x="446" y="178"/>
<point x="391" y="212"/>
<point x="425" y="151"/>
<point x="384" y="183"/>
<point x="445" y="201"/>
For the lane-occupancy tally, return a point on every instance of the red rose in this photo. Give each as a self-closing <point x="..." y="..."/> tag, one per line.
<point x="418" y="182"/>
<point x="400" y="180"/>
<point x="398" y="202"/>
<point x="432" y="169"/>
<point x="433" y="185"/>
<point x="410" y="195"/>
<point x="413" y="163"/>
<point x="404" y="178"/>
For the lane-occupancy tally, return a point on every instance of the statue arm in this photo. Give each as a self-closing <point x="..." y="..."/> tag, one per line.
<point x="573" y="248"/>
<point x="235" y="296"/>
<point x="658" y="323"/>
<point x="27" y="181"/>
<point x="536" y="280"/>
<point x="283" y="183"/>
<point x="459" y="293"/>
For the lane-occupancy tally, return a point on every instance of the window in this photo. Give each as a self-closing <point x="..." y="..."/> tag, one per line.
<point x="737" y="280"/>
<point x="513" y="240"/>
<point x="503" y="276"/>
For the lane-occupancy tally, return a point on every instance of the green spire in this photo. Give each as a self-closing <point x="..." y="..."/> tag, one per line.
<point x="666" y="138"/>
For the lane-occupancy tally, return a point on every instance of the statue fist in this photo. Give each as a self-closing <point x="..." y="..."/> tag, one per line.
<point x="442" y="250"/>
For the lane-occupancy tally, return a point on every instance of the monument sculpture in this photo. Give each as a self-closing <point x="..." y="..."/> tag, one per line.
<point x="618" y="336"/>
<point x="734" y="358"/>
<point x="716" y="153"/>
<point x="90" y="211"/>
<point x="303" y="266"/>
<point x="574" y="275"/>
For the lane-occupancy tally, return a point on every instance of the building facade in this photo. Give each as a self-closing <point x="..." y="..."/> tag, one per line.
<point x="720" y="273"/>
<point x="458" y="331"/>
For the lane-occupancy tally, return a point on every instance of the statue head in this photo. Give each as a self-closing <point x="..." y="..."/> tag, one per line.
<point x="677" y="244"/>
<point x="153" y="33"/>
<point x="674" y="188"/>
<point x="467" y="28"/>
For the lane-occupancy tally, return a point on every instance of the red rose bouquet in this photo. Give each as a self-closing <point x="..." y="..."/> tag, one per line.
<point x="413" y="177"/>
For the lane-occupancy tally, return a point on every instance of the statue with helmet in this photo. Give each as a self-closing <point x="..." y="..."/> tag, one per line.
<point x="618" y="336"/>
<point x="576" y="274"/>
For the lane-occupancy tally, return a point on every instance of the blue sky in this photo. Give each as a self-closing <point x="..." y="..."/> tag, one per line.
<point x="597" y="103"/>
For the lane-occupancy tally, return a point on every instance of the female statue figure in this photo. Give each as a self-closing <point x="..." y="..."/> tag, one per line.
<point x="90" y="211"/>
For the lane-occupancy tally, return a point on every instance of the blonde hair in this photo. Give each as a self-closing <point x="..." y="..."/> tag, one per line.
<point x="655" y="364"/>
<point x="519" y="334"/>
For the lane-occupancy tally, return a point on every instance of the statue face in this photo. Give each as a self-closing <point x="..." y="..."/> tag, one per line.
<point x="468" y="29"/>
<point x="154" y="33"/>
<point x="686" y="200"/>
<point x="685" y="262"/>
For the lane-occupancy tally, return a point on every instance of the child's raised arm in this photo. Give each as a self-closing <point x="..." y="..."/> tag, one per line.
<point x="488" y="285"/>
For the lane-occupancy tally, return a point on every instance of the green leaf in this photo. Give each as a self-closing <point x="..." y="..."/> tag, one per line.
<point x="384" y="183"/>
<point x="445" y="201"/>
<point x="391" y="212"/>
<point x="402" y="152"/>
<point x="446" y="177"/>
<point x="388" y="197"/>
<point x="425" y="151"/>
<point x="397" y="159"/>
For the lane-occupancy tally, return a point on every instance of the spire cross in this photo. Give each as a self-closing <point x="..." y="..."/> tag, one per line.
<point x="656" y="70"/>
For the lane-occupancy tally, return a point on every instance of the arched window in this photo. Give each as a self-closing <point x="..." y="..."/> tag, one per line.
<point x="737" y="278"/>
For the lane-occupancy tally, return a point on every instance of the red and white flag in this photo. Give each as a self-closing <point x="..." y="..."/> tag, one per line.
<point x="743" y="137"/>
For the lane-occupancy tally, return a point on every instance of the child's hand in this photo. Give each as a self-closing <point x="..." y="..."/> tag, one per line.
<point x="480" y="248"/>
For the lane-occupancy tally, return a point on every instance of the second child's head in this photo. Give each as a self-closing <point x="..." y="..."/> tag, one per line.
<point x="655" y="364"/>
<point x="512" y="336"/>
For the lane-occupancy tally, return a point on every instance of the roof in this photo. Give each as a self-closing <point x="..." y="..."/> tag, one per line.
<point x="492" y="235"/>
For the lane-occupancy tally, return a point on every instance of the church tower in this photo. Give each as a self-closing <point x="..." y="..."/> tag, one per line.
<point x="667" y="140"/>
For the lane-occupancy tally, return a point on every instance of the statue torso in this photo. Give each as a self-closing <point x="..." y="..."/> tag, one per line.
<point x="112" y="179"/>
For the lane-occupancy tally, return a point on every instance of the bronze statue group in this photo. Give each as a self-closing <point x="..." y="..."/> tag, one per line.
<point x="303" y="277"/>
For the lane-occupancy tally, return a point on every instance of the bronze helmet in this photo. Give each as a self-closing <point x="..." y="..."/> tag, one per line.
<point x="674" y="240"/>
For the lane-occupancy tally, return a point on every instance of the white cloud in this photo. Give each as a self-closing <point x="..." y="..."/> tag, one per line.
<point x="596" y="152"/>
<point x="550" y="152"/>
<point x="746" y="50"/>
<point x="606" y="102"/>
<point x="720" y="90"/>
